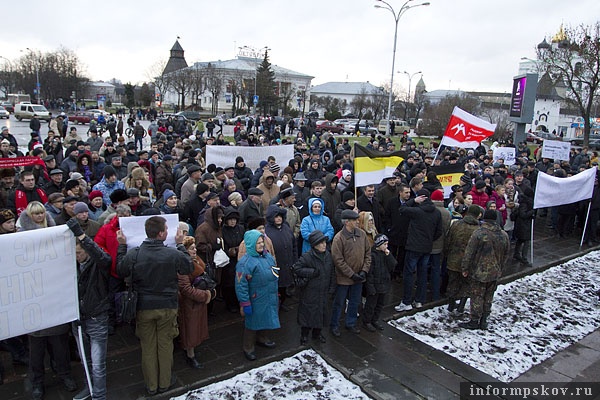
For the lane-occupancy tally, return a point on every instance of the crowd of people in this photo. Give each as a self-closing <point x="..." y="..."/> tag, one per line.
<point x="251" y="239"/>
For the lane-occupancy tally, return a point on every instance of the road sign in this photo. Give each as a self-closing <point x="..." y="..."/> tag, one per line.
<point x="255" y="99"/>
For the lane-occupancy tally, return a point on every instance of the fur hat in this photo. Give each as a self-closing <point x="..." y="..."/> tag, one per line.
<point x="6" y="215"/>
<point x="118" y="196"/>
<point x="256" y="222"/>
<point x="316" y="237"/>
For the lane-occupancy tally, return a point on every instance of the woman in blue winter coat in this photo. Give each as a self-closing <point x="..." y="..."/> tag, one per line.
<point x="315" y="221"/>
<point x="256" y="288"/>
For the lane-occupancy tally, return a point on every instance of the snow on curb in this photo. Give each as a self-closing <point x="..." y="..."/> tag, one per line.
<point x="532" y="319"/>
<point x="306" y="375"/>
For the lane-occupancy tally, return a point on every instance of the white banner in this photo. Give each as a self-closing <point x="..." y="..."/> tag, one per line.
<point x="135" y="232"/>
<point x="552" y="191"/>
<point x="555" y="149"/>
<point x="224" y="156"/>
<point x="505" y="153"/>
<point x="38" y="280"/>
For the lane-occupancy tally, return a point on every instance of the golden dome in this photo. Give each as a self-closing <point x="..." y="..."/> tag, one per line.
<point x="560" y="35"/>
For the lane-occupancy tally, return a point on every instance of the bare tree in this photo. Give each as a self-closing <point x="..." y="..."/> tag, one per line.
<point x="575" y="59"/>
<point x="360" y="103"/>
<point x="436" y="116"/>
<point x="181" y="82"/>
<point x="161" y="80"/>
<point x="378" y="102"/>
<point x="238" y="83"/>
<point x="214" y="84"/>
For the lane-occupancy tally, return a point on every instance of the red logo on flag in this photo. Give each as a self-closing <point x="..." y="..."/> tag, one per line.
<point x="466" y="129"/>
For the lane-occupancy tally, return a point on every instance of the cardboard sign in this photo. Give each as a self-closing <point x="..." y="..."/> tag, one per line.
<point x="505" y="153"/>
<point x="556" y="149"/>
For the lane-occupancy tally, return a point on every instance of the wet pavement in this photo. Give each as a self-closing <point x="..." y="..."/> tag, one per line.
<point x="387" y="364"/>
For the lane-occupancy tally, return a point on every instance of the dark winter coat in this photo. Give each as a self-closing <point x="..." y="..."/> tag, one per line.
<point x="363" y="204"/>
<point x="525" y="214"/>
<point x="284" y="244"/>
<point x="244" y="174"/>
<point x="332" y="197"/>
<point x="425" y="226"/>
<point x="249" y="210"/>
<point x="155" y="268"/>
<point x="232" y="238"/>
<point x="92" y="280"/>
<point x="379" y="278"/>
<point x="313" y="303"/>
<point x="395" y="222"/>
<point x="486" y="253"/>
<point x="207" y="234"/>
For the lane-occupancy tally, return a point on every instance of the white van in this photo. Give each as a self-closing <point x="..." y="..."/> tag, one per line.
<point x="25" y="110"/>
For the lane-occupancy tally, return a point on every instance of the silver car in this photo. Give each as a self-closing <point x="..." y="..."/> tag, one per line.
<point x="4" y="113"/>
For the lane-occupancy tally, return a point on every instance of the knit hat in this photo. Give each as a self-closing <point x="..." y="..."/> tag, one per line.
<point x="274" y="169"/>
<point x="437" y="195"/>
<point x="93" y="194"/>
<point x="239" y="159"/>
<point x="380" y="239"/>
<point x="347" y="195"/>
<point x="6" y="215"/>
<point x="263" y="163"/>
<point x="474" y="210"/>
<point x="480" y="184"/>
<point x="490" y="215"/>
<point x="108" y="172"/>
<point x="168" y="194"/>
<point x="423" y="192"/>
<point x="201" y="188"/>
<point x="235" y="196"/>
<point x="346" y="173"/>
<point x="80" y="207"/>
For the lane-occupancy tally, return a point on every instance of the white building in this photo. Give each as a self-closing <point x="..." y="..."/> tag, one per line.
<point x="345" y="92"/>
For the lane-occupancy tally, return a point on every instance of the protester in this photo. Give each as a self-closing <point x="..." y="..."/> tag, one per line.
<point x="316" y="267"/>
<point x="256" y="288"/>
<point x="154" y="268"/>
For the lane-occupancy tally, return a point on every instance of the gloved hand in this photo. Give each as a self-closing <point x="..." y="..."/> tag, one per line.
<point x="247" y="310"/>
<point x="363" y="275"/>
<point x="357" y="278"/>
<point x="75" y="227"/>
<point x="315" y="273"/>
<point x="371" y="290"/>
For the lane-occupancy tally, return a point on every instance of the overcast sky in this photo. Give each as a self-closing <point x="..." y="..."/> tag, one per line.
<point x="457" y="44"/>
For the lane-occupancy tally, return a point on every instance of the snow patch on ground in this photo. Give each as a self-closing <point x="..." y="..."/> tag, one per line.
<point x="303" y="376"/>
<point x="532" y="319"/>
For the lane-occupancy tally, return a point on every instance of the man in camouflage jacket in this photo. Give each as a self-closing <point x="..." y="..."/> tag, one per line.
<point x="484" y="259"/>
<point x="454" y="247"/>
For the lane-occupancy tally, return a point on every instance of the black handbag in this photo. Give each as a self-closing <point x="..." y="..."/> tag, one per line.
<point x="130" y="300"/>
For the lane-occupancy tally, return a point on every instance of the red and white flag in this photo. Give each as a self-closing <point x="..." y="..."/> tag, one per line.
<point x="466" y="130"/>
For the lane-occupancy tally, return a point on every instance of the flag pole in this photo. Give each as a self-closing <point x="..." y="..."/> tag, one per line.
<point x="531" y="241"/>
<point x="83" y="358"/>
<point x="587" y="216"/>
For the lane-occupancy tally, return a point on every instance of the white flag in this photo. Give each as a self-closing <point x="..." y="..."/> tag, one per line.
<point x="552" y="191"/>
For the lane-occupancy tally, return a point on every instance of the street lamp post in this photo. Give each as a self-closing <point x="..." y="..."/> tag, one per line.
<point x="405" y="7"/>
<point x="410" y="76"/>
<point x="37" y="78"/>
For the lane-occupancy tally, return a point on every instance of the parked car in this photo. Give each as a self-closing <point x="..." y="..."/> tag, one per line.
<point x="400" y="128"/>
<point x="28" y="110"/>
<point x="233" y="120"/>
<point x="533" y="138"/>
<point x="193" y="115"/>
<point x="325" y="125"/>
<point x="4" y="113"/>
<point x="8" y="106"/>
<point x="96" y="112"/>
<point x="548" y="135"/>
<point x="83" y="117"/>
<point x="578" y="141"/>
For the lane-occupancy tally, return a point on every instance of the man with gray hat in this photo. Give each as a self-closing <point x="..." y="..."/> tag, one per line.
<point x="56" y="184"/>
<point x="251" y="207"/>
<point x="351" y="252"/>
<point x="188" y="188"/>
